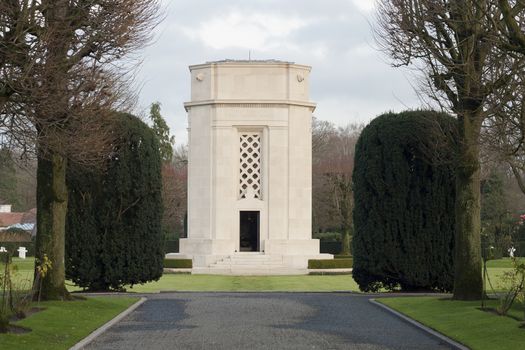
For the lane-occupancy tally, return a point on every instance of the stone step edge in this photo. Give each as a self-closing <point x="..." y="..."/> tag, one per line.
<point x="250" y="272"/>
<point x="255" y="263"/>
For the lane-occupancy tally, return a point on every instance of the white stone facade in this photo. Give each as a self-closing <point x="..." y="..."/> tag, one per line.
<point x="249" y="167"/>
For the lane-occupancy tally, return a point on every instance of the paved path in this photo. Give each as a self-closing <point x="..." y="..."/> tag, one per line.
<point x="262" y="321"/>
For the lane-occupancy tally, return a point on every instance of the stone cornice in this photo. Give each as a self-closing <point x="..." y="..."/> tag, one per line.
<point x="250" y="104"/>
<point x="250" y="64"/>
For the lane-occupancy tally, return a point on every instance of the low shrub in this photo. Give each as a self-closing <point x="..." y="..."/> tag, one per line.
<point x="330" y="264"/>
<point x="178" y="263"/>
<point x="328" y="236"/>
<point x="329" y="272"/>
<point x="342" y="256"/>
<point x="514" y="286"/>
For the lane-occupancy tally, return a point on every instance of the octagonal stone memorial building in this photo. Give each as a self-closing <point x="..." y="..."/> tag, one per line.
<point x="250" y="169"/>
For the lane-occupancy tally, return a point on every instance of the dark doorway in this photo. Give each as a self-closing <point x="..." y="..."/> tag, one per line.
<point x="249" y="231"/>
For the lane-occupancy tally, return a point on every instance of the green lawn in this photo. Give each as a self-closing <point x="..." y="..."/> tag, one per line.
<point x="463" y="321"/>
<point x="24" y="275"/>
<point x="171" y="282"/>
<point x="495" y="275"/>
<point x="25" y="265"/>
<point x="500" y="263"/>
<point x="64" y="323"/>
<point x="495" y="269"/>
<point x="179" y="282"/>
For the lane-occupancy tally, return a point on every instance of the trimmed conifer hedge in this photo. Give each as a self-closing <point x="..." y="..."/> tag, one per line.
<point x="404" y="192"/>
<point x="178" y="263"/>
<point x="113" y="226"/>
<point x="330" y="264"/>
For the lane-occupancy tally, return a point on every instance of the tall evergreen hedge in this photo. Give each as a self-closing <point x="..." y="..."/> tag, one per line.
<point x="113" y="229"/>
<point x="404" y="202"/>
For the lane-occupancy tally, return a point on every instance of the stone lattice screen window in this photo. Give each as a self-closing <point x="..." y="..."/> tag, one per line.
<point x="250" y="165"/>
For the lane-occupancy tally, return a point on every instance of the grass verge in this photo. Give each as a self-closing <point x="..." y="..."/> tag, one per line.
<point x="500" y="263"/>
<point x="212" y="283"/>
<point x="463" y="321"/>
<point x="64" y="323"/>
<point x="256" y="283"/>
<point x="215" y="283"/>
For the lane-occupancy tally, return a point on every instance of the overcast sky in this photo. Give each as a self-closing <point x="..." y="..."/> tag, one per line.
<point x="350" y="81"/>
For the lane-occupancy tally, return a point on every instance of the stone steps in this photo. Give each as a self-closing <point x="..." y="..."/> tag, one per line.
<point x="250" y="264"/>
<point x="248" y="260"/>
<point x="243" y="260"/>
<point x="247" y="263"/>
<point x="248" y="271"/>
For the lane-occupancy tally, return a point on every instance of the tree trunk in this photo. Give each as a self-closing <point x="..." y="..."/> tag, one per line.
<point x="345" y="242"/>
<point x="51" y="223"/>
<point x="468" y="282"/>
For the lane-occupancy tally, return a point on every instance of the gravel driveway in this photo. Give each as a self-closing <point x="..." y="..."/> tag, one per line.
<point x="262" y="321"/>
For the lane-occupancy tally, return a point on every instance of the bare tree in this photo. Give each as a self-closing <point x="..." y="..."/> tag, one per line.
<point x="504" y="133"/>
<point x="174" y="191"/>
<point x="324" y="213"/>
<point x="321" y="131"/>
<point x="455" y="45"/>
<point x="334" y="166"/>
<point x="62" y="75"/>
<point x="512" y="25"/>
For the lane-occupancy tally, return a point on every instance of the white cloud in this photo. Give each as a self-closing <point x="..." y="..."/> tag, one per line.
<point x="351" y="81"/>
<point x="365" y="5"/>
<point x="319" y="52"/>
<point x="342" y="111"/>
<point x="243" y="30"/>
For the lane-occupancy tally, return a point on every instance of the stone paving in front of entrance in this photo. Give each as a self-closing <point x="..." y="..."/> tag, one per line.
<point x="262" y="321"/>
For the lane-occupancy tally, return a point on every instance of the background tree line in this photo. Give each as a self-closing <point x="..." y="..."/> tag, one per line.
<point x="333" y="160"/>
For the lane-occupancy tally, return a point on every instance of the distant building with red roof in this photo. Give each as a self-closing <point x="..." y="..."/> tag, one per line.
<point x="25" y="221"/>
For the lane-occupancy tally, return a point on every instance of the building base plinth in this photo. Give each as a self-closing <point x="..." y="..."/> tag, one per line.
<point x="279" y="257"/>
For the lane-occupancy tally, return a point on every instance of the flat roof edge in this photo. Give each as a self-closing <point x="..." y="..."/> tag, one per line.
<point x="252" y="63"/>
<point x="308" y="104"/>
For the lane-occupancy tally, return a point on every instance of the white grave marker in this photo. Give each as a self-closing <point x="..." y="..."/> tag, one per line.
<point x="22" y="252"/>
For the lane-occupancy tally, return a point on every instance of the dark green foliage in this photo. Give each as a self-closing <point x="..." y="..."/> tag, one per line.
<point x="498" y="224"/>
<point x="162" y="130"/>
<point x="114" y="217"/>
<point x="330" y="247"/>
<point x="404" y="203"/>
<point x="330" y="264"/>
<point x="493" y="201"/>
<point x="171" y="246"/>
<point x="328" y="236"/>
<point x="178" y="263"/>
<point x="185" y="224"/>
